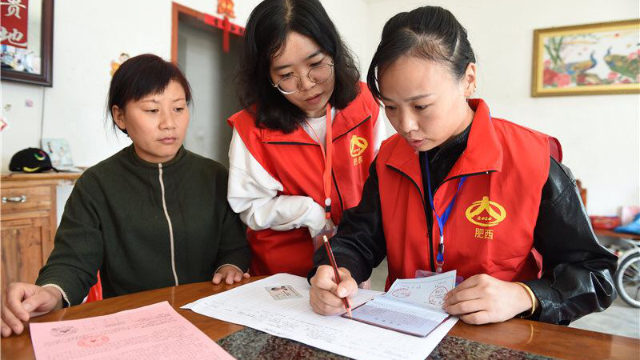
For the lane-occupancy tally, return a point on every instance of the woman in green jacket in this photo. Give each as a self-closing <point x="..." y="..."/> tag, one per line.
<point x="152" y="215"/>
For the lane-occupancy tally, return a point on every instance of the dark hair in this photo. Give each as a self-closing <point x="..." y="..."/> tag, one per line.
<point x="428" y="32"/>
<point x="140" y="76"/>
<point x="266" y="32"/>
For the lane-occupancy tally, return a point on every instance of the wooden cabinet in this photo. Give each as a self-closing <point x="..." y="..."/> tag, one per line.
<point x="27" y="223"/>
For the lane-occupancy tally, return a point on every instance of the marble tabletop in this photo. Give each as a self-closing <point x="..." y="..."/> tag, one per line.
<point x="253" y="344"/>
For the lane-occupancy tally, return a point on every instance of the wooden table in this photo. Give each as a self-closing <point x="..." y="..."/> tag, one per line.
<point x="529" y="336"/>
<point x="611" y="233"/>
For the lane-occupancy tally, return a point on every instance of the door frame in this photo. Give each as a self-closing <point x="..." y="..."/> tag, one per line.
<point x="200" y="19"/>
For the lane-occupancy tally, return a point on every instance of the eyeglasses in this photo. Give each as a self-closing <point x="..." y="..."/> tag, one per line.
<point x="291" y="84"/>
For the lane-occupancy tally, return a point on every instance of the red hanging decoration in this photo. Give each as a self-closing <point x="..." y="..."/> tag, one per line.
<point x="225" y="8"/>
<point x="225" y="35"/>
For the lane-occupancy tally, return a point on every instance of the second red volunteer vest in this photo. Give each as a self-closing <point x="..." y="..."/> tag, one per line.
<point x="296" y="161"/>
<point x="490" y="228"/>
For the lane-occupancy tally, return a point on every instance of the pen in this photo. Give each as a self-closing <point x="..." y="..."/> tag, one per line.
<point x="327" y="246"/>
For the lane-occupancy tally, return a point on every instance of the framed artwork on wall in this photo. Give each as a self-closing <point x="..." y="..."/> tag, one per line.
<point x="26" y="41"/>
<point x="589" y="59"/>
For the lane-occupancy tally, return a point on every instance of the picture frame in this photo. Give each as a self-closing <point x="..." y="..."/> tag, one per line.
<point x="28" y="59"/>
<point x="590" y="59"/>
<point x="59" y="152"/>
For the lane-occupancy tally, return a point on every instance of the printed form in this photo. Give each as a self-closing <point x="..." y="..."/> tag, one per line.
<point x="279" y="305"/>
<point x="147" y="333"/>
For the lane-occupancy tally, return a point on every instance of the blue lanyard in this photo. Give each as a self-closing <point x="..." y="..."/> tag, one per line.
<point x="445" y="215"/>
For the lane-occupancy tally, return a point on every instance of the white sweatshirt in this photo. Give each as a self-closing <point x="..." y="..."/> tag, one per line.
<point x="253" y="192"/>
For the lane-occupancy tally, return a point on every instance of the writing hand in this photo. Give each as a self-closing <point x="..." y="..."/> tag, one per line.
<point x="325" y="295"/>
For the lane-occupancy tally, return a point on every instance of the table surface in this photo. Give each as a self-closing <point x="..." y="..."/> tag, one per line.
<point x="611" y="233"/>
<point x="517" y="334"/>
<point x="50" y="175"/>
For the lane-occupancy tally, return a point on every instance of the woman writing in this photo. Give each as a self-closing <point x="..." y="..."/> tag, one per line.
<point x="456" y="178"/>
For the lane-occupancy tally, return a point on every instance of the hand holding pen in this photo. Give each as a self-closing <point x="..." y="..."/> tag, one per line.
<point x="326" y="293"/>
<point x="336" y="273"/>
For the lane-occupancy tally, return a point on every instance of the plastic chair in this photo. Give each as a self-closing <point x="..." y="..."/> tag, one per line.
<point x="95" y="293"/>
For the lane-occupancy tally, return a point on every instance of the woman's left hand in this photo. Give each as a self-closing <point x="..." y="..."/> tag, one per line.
<point x="483" y="299"/>
<point x="230" y="274"/>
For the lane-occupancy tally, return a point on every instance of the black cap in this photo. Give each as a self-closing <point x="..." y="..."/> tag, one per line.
<point x="30" y="160"/>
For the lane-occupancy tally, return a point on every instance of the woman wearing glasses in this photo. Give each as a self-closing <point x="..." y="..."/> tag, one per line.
<point x="302" y="147"/>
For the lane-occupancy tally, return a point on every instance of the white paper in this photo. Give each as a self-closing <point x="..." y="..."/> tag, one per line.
<point x="251" y="305"/>
<point x="425" y="291"/>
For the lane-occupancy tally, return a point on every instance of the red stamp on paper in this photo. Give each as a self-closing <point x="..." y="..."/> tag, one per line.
<point x="437" y="296"/>
<point x="89" y="341"/>
<point x="401" y="293"/>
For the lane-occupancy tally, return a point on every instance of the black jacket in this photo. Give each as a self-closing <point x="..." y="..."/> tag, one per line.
<point x="577" y="270"/>
<point x="145" y="226"/>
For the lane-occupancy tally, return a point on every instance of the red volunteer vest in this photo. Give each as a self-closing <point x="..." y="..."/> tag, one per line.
<point x="490" y="228"/>
<point x="296" y="161"/>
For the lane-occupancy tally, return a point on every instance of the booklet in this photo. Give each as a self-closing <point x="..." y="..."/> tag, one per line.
<point x="411" y="306"/>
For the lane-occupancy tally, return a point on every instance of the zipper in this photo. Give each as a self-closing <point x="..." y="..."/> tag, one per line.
<point x="424" y="204"/>
<point x="166" y="215"/>
<point x="335" y="182"/>
<point x="424" y="208"/>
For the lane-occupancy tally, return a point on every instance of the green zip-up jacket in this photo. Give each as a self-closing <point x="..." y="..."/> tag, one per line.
<point x="145" y="226"/>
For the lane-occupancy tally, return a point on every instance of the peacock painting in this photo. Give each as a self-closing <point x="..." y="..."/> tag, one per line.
<point x="582" y="59"/>
<point x="581" y="66"/>
<point x="625" y="65"/>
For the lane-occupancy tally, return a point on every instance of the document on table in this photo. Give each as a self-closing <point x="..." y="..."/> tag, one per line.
<point x="147" y="333"/>
<point x="411" y="306"/>
<point x="279" y="305"/>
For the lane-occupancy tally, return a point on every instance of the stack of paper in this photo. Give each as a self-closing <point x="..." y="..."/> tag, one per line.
<point x="279" y="305"/>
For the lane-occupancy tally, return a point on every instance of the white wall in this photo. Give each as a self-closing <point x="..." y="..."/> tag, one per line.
<point x="600" y="135"/>
<point x="84" y="45"/>
<point x="351" y="17"/>
<point x="87" y="36"/>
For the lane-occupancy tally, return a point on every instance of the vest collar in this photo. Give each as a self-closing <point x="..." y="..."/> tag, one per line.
<point x="482" y="154"/>
<point x="345" y="120"/>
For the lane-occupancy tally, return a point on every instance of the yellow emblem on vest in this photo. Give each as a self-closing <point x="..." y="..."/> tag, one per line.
<point x="358" y="145"/>
<point x="485" y="213"/>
